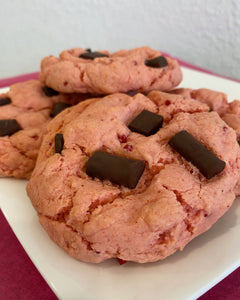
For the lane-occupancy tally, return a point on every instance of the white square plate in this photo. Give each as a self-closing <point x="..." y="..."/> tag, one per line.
<point x="185" y="275"/>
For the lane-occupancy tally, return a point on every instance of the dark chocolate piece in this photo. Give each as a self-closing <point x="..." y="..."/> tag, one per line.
<point x="156" y="62"/>
<point x="9" y="127"/>
<point x="59" y="143"/>
<point x="195" y="152"/>
<point x="117" y="169"/>
<point x="132" y="93"/>
<point x="146" y="123"/>
<point x="49" y="92"/>
<point x="57" y="108"/>
<point x="92" y="55"/>
<point x="4" y="101"/>
<point x="239" y="142"/>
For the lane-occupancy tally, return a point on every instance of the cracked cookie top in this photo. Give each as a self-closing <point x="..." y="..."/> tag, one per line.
<point x="95" y="217"/>
<point x="217" y="101"/>
<point x="24" y="112"/>
<point x="83" y="71"/>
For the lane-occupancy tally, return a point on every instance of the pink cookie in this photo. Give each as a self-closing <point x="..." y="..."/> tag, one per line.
<point x="83" y="71"/>
<point x="24" y="112"/>
<point x="170" y="104"/>
<point x="232" y="116"/>
<point x="95" y="218"/>
<point x="217" y="101"/>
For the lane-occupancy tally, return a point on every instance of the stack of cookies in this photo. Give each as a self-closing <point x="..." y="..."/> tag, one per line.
<point x="120" y="163"/>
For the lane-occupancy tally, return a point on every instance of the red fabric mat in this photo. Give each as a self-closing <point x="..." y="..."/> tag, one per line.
<point x="19" y="278"/>
<point x="9" y="81"/>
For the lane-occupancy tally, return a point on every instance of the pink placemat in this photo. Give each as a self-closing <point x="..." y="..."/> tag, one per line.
<point x="19" y="278"/>
<point x="20" y="78"/>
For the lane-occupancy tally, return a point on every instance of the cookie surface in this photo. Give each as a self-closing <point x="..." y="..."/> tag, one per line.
<point x="217" y="101"/>
<point x="232" y="116"/>
<point x="95" y="219"/>
<point x="121" y="71"/>
<point x="30" y="108"/>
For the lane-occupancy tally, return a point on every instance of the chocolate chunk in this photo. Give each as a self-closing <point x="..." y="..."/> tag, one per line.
<point x="57" y="108"/>
<point x="156" y="62"/>
<point x="239" y="142"/>
<point x="132" y="93"/>
<point x="9" y="127"/>
<point x="4" y="101"/>
<point x="49" y="92"/>
<point x="117" y="169"/>
<point x="59" y="143"/>
<point x="195" y="152"/>
<point x="92" y="55"/>
<point x="146" y="123"/>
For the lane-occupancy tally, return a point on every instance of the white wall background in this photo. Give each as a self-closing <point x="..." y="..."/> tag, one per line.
<point x="203" y="32"/>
